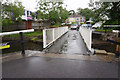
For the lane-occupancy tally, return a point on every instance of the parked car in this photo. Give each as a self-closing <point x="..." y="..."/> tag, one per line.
<point x="84" y="25"/>
<point x="74" y="26"/>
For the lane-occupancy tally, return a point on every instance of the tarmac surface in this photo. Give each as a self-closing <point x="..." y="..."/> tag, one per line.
<point x="46" y="67"/>
<point x="37" y="64"/>
<point x="70" y="43"/>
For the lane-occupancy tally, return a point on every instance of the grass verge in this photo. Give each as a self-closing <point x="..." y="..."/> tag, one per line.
<point x="37" y="33"/>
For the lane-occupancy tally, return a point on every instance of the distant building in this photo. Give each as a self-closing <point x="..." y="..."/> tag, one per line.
<point x="27" y="15"/>
<point x="76" y="18"/>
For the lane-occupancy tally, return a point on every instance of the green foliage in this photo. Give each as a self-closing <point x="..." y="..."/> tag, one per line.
<point x="7" y="22"/>
<point x="87" y="13"/>
<point x="71" y="12"/>
<point x="64" y="15"/>
<point x="11" y="12"/>
<point x="111" y="22"/>
<point x="19" y="19"/>
<point x="52" y="11"/>
<point x="103" y="30"/>
<point x="54" y="18"/>
<point x="107" y="11"/>
<point x="74" y="22"/>
<point x="82" y="23"/>
<point x="31" y="34"/>
<point x="52" y="23"/>
<point x="58" y="24"/>
<point x="34" y="39"/>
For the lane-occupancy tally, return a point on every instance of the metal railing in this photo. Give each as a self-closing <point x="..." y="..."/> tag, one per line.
<point x="86" y="34"/>
<point x="21" y="41"/>
<point x="51" y="35"/>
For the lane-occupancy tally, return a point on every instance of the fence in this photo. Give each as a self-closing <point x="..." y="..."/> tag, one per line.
<point x="14" y="27"/>
<point x="86" y="34"/>
<point x="51" y="35"/>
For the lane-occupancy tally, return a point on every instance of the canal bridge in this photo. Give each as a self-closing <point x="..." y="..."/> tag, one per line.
<point x="67" y="65"/>
<point x="69" y="42"/>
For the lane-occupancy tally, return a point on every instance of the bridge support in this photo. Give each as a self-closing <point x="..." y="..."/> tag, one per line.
<point x="22" y="44"/>
<point x="118" y="47"/>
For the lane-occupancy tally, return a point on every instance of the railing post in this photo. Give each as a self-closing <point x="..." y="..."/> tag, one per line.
<point x="53" y="34"/>
<point x="44" y="38"/>
<point x="105" y="30"/>
<point x="118" y="47"/>
<point x="22" y="43"/>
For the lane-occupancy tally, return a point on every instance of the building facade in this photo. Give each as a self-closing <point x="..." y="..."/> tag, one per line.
<point x="27" y="16"/>
<point x="76" y="18"/>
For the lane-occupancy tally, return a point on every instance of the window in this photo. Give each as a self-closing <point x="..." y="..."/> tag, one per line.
<point x="30" y="13"/>
<point x="27" y="12"/>
<point x="77" y="18"/>
<point x="24" y="12"/>
<point x="71" y="18"/>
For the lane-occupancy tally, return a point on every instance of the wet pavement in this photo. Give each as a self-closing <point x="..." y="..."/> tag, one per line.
<point x="70" y="43"/>
<point x="46" y="67"/>
<point x="37" y="64"/>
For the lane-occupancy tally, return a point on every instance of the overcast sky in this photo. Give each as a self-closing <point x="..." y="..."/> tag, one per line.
<point x="71" y="4"/>
<point x="75" y="4"/>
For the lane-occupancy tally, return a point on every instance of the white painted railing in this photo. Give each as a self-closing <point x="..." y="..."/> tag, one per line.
<point x="51" y="35"/>
<point x="16" y="32"/>
<point x="86" y="34"/>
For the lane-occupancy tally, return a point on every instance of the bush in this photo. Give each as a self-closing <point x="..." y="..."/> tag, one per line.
<point x="19" y="19"/>
<point x="111" y="22"/>
<point x="74" y="22"/>
<point x="52" y="23"/>
<point x="7" y="22"/>
<point x="58" y="24"/>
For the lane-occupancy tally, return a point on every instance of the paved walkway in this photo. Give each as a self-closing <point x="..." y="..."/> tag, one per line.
<point x="70" y="43"/>
<point x="46" y="67"/>
<point x="39" y="65"/>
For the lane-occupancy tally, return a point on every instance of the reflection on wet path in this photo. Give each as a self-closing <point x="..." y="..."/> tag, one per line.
<point x="71" y="43"/>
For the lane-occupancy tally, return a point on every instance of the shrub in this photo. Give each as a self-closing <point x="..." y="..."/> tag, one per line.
<point x="74" y="22"/>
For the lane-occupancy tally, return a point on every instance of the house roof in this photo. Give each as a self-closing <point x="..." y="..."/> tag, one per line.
<point x="76" y="15"/>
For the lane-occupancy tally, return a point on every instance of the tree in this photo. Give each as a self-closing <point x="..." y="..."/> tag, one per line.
<point x="64" y="14"/>
<point x="52" y="11"/>
<point x="87" y="13"/>
<point x="0" y="17"/>
<point x="11" y="12"/>
<point x="107" y="11"/>
<point x="71" y="12"/>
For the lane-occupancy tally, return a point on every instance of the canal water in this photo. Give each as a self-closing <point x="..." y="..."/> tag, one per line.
<point x="98" y="43"/>
<point x="28" y="46"/>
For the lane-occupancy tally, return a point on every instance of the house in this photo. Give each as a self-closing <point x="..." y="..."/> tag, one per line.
<point x="25" y="24"/>
<point x="76" y="18"/>
<point x="27" y="17"/>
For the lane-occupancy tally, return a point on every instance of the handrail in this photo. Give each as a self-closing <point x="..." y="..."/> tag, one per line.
<point x="16" y="32"/>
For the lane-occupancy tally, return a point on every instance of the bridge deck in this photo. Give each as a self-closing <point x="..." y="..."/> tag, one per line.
<point x="47" y="67"/>
<point x="71" y="43"/>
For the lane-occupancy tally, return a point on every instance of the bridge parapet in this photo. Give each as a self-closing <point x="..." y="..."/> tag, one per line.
<point x="86" y="34"/>
<point x="51" y="35"/>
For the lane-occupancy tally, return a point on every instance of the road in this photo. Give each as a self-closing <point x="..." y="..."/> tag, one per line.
<point x="46" y="67"/>
<point x="70" y="43"/>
